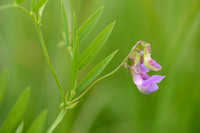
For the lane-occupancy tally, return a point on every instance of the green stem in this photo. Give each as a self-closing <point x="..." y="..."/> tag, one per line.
<point x="107" y="75"/>
<point x="42" y="44"/>
<point x="49" y="62"/>
<point x="63" y="111"/>
<point x="6" y="7"/>
<point x="57" y="121"/>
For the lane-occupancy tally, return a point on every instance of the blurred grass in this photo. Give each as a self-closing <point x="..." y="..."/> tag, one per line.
<point x="114" y="105"/>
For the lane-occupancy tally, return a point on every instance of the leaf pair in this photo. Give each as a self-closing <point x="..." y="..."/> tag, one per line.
<point x="95" y="72"/>
<point x="93" y="49"/>
<point x="91" y="52"/>
<point x="87" y="26"/>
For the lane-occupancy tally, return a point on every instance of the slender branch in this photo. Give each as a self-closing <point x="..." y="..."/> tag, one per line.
<point x="42" y="44"/>
<point x="107" y="75"/>
<point x="49" y="62"/>
<point x="4" y="7"/>
<point x="57" y="121"/>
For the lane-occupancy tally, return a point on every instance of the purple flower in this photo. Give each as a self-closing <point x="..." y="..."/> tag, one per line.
<point x="142" y="64"/>
<point x="144" y="82"/>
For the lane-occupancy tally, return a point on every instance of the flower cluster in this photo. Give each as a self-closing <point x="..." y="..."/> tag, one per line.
<point x="139" y="63"/>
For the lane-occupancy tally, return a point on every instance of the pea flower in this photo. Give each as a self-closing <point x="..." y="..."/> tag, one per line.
<point x="139" y="64"/>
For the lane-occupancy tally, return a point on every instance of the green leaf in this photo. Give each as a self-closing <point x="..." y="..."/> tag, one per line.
<point x="75" y="53"/>
<point x="38" y="125"/>
<point x="65" y="23"/>
<point x="95" y="46"/>
<point x="20" y="127"/>
<point x="39" y="4"/>
<point x="3" y="84"/>
<point x="89" y="24"/>
<point x="74" y="30"/>
<point x="95" y="72"/>
<point x="19" y="1"/>
<point x="41" y="10"/>
<point x="33" y="2"/>
<point x="15" y="115"/>
<point x="75" y="65"/>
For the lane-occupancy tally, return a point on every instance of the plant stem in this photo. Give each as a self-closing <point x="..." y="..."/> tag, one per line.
<point x="63" y="111"/>
<point x="57" y="121"/>
<point x="49" y="62"/>
<point x="107" y="75"/>
<point x="42" y="44"/>
<point x="4" y="7"/>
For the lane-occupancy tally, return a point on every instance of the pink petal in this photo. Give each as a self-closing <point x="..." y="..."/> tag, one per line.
<point x="144" y="68"/>
<point x="138" y="80"/>
<point x="152" y="80"/>
<point x="144" y="76"/>
<point x="152" y="88"/>
<point x="155" y="64"/>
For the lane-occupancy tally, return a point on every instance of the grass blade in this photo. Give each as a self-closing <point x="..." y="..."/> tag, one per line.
<point x="20" y="127"/>
<point x="75" y="53"/>
<point x="95" y="72"/>
<point x="14" y="117"/>
<point x="89" y="24"/>
<point x="39" y="4"/>
<point x="95" y="46"/>
<point x="38" y="125"/>
<point x="3" y="84"/>
<point x="65" y="20"/>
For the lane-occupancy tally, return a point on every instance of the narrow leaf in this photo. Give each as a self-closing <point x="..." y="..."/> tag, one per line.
<point x="95" y="46"/>
<point x="14" y="117"/>
<point x="20" y="127"/>
<point x="65" y="20"/>
<point x="74" y="30"/>
<point x="3" y="84"/>
<point x="89" y="24"/>
<point x="75" y="65"/>
<point x="41" y="10"/>
<point x="95" y="72"/>
<point x="75" y="53"/>
<point x="19" y="1"/>
<point x="39" y="4"/>
<point x="33" y="2"/>
<point x="38" y="124"/>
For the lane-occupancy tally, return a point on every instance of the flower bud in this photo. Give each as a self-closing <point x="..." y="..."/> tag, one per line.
<point x="138" y="59"/>
<point x="148" y="61"/>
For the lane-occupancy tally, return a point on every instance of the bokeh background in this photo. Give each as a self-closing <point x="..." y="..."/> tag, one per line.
<point x="114" y="105"/>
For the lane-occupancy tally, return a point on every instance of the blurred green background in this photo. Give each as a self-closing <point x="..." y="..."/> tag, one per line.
<point x="114" y="105"/>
